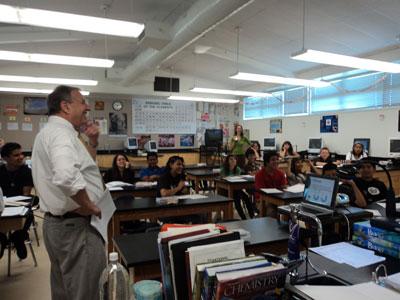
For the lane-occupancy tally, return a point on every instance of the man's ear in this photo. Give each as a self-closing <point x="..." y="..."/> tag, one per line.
<point x="65" y="108"/>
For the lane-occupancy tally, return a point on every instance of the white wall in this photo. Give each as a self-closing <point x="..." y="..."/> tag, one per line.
<point x="378" y="125"/>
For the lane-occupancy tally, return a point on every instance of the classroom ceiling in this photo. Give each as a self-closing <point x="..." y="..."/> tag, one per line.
<point x="199" y="44"/>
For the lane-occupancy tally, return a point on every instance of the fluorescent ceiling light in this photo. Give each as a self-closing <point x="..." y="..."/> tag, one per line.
<point x="56" y="59"/>
<point x="229" y="92"/>
<point x="60" y="20"/>
<point x="32" y="91"/>
<point x="68" y="81"/>
<point x="346" y="61"/>
<point x="278" y="79"/>
<point x="201" y="99"/>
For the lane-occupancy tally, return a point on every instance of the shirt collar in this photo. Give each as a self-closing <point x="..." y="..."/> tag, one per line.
<point x="63" y="122"/>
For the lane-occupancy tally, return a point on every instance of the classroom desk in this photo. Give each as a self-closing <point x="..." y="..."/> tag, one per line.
<point x="222" y="185"/>
<point x="128" y="209"/>
<point x="147" y="192"/>
<point x="267" y="235"/>
<point x="277" y="200"/>
<point x="198" y="175"/>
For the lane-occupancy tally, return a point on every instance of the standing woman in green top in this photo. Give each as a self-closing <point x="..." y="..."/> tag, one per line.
<point x="238" y="145"/>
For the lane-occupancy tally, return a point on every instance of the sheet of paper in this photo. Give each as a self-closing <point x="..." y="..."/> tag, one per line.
<point x="384" y="205"/>
<point x="12" y="126"/>
<point x="235" y="179"/>
<point x="363" y="291"/>
<point x="193" y="196"/>
<point x="393" y="281"/>
<point x="16" y="198"/>
<point x="117" y="183"/>
<point x="146" y="183"/>
<point x="14" y="211"/>
<point x="271" y="191"/>
<point x="107" y="207"/>
<point x="297" y="188"/>
<point x="349" y="254"/>
<point x="116" y="188"/>
<point x="167" y="200"/>
<point x="375" y="212"/>
<point x="248" y="176"/>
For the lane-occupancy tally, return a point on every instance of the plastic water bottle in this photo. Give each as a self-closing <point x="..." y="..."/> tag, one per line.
<point x="114" y="282"/>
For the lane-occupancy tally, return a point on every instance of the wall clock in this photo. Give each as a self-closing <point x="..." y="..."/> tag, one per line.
<point x="117" y="105"/>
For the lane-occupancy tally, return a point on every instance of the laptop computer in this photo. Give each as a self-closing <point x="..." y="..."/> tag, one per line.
<point x="319" y="197"/>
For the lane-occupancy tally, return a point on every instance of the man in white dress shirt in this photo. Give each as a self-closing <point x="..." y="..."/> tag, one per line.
<point x="69" y="185"/>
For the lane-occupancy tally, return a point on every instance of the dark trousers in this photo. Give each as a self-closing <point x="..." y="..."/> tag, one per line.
<point x="238" y="197"/>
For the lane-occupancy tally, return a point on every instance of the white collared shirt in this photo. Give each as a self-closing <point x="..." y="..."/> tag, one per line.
<point x="62" y="166"/>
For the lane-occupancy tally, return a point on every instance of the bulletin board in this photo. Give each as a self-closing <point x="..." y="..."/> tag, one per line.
<point x="163" y="116"/>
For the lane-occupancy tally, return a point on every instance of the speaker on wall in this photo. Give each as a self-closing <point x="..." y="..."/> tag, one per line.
<point x="166" y="84"/>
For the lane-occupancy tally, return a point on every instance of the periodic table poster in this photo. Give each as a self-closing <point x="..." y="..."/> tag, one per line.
<point x="163" y="116"/>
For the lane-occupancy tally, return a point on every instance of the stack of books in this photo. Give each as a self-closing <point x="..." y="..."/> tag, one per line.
<point x="206" y="262"/>
<point x="383" y="241"/>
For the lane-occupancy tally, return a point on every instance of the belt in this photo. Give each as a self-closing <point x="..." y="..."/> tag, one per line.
<point x="68" y="215"/>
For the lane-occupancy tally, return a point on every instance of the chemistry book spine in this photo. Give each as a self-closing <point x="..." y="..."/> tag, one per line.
<point x="360" y="241"/>
<point x="209" y="280"/>
<point x="247" y="287"/>
<point x="365" y="228"/>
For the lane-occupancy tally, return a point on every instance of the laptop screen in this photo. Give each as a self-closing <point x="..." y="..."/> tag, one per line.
<point x="320" y="191"/>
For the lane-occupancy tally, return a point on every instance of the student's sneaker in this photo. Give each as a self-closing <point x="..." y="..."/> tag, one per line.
<point x="18" y="239"/>
<point x="3" y="243"/>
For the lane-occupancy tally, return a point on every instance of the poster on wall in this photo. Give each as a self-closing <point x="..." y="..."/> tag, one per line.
<point x="163" y="116"/>
<point x="186" y="140"/>
<point x="118" y="124"/>
<point x="142" y="140"/>
<point x="329" y="124"/>
<point x="275" y="126"/>
<point x="10" y="110"/>
<point x="98" y="105"/>
<point x="166" y="140"/>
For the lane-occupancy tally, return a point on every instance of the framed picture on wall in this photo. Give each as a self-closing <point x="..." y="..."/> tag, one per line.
<point x="166" y="140"/>
<point x="186" y="140"/>
<point x="275" y="126"/>
<point x="329" y="124"/>
<point x="118" y="124"/>
<point x="35" y="106"/>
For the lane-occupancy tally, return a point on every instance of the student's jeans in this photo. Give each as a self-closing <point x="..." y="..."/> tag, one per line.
<point x="238" y="196"/>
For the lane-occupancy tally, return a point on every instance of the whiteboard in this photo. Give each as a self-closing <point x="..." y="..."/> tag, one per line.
<point x="163" y="116"/>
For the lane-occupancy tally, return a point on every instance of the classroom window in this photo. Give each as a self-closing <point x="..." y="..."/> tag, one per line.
<point x="373" y="90"/>
<point x="359" y="92"/>
<point x="263" y="107"/>
<point x="295" y="101"/>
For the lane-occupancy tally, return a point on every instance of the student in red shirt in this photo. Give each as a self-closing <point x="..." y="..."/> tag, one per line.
<point x="270" y="176"/>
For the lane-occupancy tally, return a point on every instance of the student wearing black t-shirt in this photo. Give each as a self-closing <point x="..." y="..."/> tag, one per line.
<point x="371" y="189"/>
<point x="16" y="180"/>
<point x="15" y="176"/>
<point x="324" y="157"/>
<point x="173" y="181"/>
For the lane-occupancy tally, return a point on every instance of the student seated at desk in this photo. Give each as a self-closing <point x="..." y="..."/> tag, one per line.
<point x="16" y="180"/>
<point x="120" y="170"/>
<point x="256" y="147"/>
<point x="173" y="181"/>
<point x="251" y="166"/>
<point x="297" y="172"/>
<point x="153" y="171"/>
<point x="270" y="176"/>
<point x="356" y="153"/>
<point x="370" y="188"/>
<point x="324" y="157"/>
<point x="230" y="168"/>
<point x="287" y="150"/>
